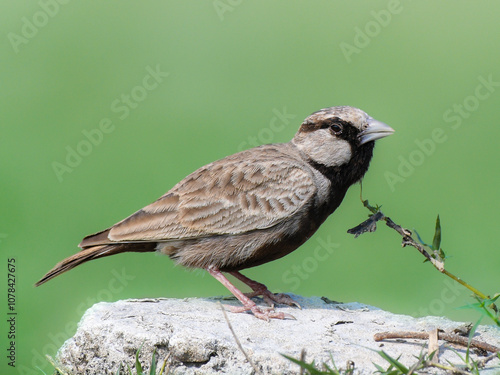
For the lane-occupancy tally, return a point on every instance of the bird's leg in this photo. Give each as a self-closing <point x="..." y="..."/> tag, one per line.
<point x="261" y="290"/>
<point x="248" y="304"/>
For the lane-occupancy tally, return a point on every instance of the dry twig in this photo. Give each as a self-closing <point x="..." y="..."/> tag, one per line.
<point x="370" y="225"/>
<point x="302" y="359"/>
<point x="434" y="346"/>
<point x="481" y="363"/>
<point x="455" y="339"/>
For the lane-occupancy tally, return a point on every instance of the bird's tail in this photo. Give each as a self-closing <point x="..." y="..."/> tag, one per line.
<point x="94" y="252"/>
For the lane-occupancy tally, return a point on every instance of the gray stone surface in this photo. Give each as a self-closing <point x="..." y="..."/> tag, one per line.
<point x="197" y="336"/>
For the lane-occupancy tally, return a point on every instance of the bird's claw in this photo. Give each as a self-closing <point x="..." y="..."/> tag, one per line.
<point x="283" y="299"/>
<point x="272" y="298"/>
<point x="262" y="313"/>
<point x="269" y="313"/>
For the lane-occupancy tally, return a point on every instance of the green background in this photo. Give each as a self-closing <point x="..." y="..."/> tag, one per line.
<point x="232" y="65"/>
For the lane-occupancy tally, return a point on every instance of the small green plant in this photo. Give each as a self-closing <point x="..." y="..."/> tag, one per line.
<point x="437" y="251"/>
<point x="482" y="307"/>
<point x="327" y="370"/>
<point x="395" y="367"/>
<point x="138" y="367"/>
<point x="433" y="253"/>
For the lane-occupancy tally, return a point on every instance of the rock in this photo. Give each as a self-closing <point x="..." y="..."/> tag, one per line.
<point x="195" y="336"/>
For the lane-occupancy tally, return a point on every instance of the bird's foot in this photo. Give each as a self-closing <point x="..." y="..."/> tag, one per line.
<point x="261" y="313"/>
<point x="272" y="298"/>
<point x="248" y="304"/>
<point x="260" y="289"/>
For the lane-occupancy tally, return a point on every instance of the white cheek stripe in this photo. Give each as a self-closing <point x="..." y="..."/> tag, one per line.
<point x="342" y="153"/>
<point x="323" y="148"/>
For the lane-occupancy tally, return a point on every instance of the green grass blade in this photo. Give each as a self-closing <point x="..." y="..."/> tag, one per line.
<point x="306" y="366"/>
<point x="164" y="364"/>
<point x="436" y="242"/>
<point x="420" y="238"/>
<point x="394" y="362"/>
<point x="152" y="368"/>
<point x="471" y="335"/>
<point x="138" y="366"/>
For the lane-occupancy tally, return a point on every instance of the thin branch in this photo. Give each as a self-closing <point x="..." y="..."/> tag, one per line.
<point x="449" y="369"/>
<point x="455" y="339"/>
<point x="484" y="361"/>
<point x="370" y="225"/>
<point x="162" y="370"/>
<point x="302" y="359"/>
<point x="255" y="368"/>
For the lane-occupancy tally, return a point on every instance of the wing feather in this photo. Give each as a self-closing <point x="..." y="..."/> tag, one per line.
<point x="252" y="190"/>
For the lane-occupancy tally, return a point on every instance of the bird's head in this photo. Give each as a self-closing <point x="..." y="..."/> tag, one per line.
<point x="333" y="136"/>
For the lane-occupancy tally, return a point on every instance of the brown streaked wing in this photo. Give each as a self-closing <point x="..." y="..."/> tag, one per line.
<point x="243" y="192"/>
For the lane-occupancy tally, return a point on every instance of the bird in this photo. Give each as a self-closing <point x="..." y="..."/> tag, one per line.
<point x="248" y="208"/>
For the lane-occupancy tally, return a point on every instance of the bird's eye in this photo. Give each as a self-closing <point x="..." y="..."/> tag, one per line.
<point x="336" y="128"/>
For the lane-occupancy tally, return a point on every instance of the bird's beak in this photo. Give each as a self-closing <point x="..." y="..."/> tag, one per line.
<point x="374" y="131"/>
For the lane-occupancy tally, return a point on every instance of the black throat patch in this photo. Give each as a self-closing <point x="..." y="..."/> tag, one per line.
<point x="347" y="174"/>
